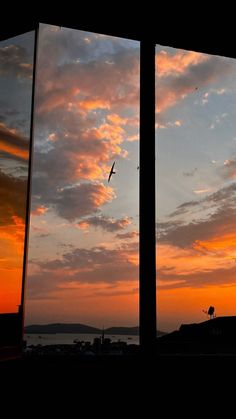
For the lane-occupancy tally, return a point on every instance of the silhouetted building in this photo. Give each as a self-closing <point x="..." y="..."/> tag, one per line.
<point x="217" y="335"/>
<point x="223" y="328"/>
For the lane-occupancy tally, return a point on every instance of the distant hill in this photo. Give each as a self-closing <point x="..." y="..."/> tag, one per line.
<point x="61" y="328"/>
<point x="81" y="328"/>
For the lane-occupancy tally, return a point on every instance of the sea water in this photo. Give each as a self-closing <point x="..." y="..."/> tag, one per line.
<point x="69" y="338"/>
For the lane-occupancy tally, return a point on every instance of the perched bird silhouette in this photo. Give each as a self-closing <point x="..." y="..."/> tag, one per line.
<point x="111" y="172"/>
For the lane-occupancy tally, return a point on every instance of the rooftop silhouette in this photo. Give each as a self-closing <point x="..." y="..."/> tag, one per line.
<point x="216" y="335"/>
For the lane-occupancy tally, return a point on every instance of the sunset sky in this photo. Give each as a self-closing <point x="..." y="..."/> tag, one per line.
<point x="83" y="250"/>
<point x="196" y="188"/>
<point x="84" y="237"/>
<point x="16" y="56"/>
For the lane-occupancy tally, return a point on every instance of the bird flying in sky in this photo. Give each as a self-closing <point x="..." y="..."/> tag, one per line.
<point x="111" y="172"/>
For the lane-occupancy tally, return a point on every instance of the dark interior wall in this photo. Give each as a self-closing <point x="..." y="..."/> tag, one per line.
<point x="177" y="25"/>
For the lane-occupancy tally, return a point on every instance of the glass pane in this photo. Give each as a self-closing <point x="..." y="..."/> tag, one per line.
<point x="195" y="174"/>
<point x="83" y="249"/>
<point x="16" y="68"/>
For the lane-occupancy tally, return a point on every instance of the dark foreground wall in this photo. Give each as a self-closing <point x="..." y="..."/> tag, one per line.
<point x="10" y="329"/>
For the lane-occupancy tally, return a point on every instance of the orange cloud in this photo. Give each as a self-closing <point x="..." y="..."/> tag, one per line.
<point x="180" y="73"/>
<point x="39" y="210"/>
<point x="13" y="143"/>
<point x="201" y="191"/>
<point x="102" y="195"/>
<point x="113" y="132"/>
<point x="91" y="169"/>
<point x="173" y="64"/>
<point x="55" y="96"/>
<point x="13" y="236"/>
<point x="52" y="137"/>
<point x="15" y="151"/>
<point x="225" y="243"/>
<point x="94" y="103"/>
<point x="116" y="119"/>
<point x="83" y="225"/>
<point x="178" y="123"/>
<point x="184" y="261"/>
<point x="206" y="263"/>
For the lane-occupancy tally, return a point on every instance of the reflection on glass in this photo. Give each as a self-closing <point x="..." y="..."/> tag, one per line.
<point x="16" y="67"/>
<point x="195" y="171"/>
<point x="83" y="250"/>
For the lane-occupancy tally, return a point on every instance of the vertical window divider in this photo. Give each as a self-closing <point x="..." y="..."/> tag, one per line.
<point x="28" y="198"/>
<point x="147" y="279"/>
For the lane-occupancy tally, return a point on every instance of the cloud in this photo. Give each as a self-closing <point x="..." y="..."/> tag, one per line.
<point x="116" y="119"/>
<point x="201" y="191"/>
<point x="98" y="257"/>
<point x="228" y="170"/>
<point x="12" y="235"/>
<point x="98" y="265"/>
<point x="83" y="69"/>
<point x="174" y="64"/>
<point x="199" y="279"/>
<point x="12" y="198"/>
<point x="129" y="235"/>
<point x="162" y="125"/>
<point x="13" y="145"/>
<point x="190" y="173"/>
<point x="105" y="223"/>
<point x="74" y="201"/>
<point x="95" y="103"/>
<point x="221" y="196"/>
<point x="86" y="155"/>
<point x="80" y="200"/>
<point x="39" y="210"/>
<point x="15" y="62"/>
<point x="181" y="73"/>
<point x="79" y="127"/>
<point x="219" y="221"/>
<point x="185" y="235"/>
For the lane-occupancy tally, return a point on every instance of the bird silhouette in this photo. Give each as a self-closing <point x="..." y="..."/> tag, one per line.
<point x="111" y="172"/>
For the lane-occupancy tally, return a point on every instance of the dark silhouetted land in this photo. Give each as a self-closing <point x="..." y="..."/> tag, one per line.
<point x="81" y="328"/>
<point x="214" y="336"/>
